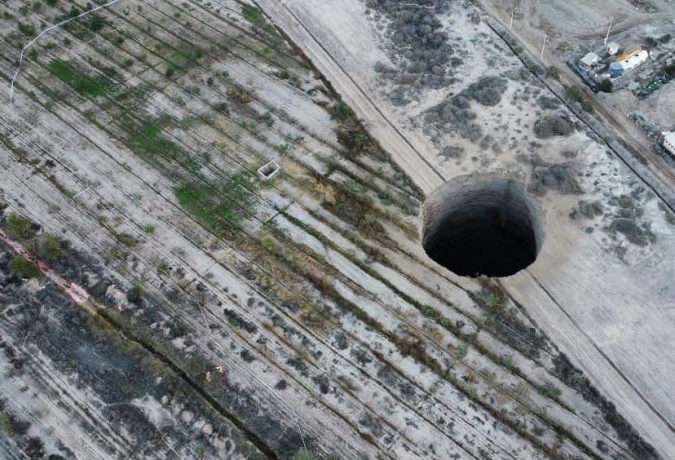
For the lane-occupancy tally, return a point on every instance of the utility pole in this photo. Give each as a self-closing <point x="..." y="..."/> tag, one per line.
<point x="543" y="46"/>
<point x="513" y="12"/>
<point x="611" y="19"/>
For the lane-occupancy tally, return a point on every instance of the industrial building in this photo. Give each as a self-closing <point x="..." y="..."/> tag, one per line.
<point x="631" y="59"/>
<point x="669" y="141"/>
<point x="589" y="60"/>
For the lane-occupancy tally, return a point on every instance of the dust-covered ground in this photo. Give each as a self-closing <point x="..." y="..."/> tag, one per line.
<point x="453" y="89"/>
<point x="160" y="300"/>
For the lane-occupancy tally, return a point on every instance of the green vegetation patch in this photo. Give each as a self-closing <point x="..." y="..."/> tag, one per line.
<point x="253" y="14"/>
<point x="145" y="139"/>
<point x="18" y="227"/>
<point x="183" y="59"/>
<point x="256" y="17"/>
<point x="218" y="207"/>
<point x="575" y="93"/>
<point x="27" y="28"/>
<point x="84" y="85"/>
<point x="47" y="248"/>
<point x="23" y="268"/>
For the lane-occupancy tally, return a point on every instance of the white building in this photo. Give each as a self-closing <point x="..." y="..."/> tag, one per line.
<point x="669" y="141"/>
<point x="589" y="60"/>
<point x="612" y="48"/>
<point x="633" y="59"/>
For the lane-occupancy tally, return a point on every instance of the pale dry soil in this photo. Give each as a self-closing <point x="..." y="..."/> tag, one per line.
<point x="232" y="318"/>
<point x="611" y="311"/>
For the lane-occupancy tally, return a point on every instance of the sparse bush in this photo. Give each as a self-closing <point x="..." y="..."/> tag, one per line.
<point x="550" y="391"/>
<point x="418" y="35"/>
<point x="240" y="95"/>
<point x="575" y="93"/>
<point x="48" y="248"/>
<point x="135" y="295"/>
<point x="634" y="233"/>
<point x="221" y="107"/>
<point x="487" y="91"/>
<point x="304" y="454"/>
<point x="553" y="72"/>
<point x="19" y="228"/>
<point x="559" y="177"/>
<point x="452" y="151"/>
<point x="455" y="111"/>
<point x="548" y="103"/>
<point x="588" y="210"/>
<point x="552" y="125"/>
<point x="96" y="22"/>
<point x="341" y="111"/>
<point x="27" y="28"/>
<point x="23" y="268"/>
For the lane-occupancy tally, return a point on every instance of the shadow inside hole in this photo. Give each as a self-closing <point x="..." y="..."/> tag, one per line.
<point x="482" y="225"/>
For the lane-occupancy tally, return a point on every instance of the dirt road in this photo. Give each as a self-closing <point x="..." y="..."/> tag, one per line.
<point x="421" y="171"/>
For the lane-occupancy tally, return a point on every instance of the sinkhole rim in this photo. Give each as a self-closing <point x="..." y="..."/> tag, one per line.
<point x="482" y="225"/>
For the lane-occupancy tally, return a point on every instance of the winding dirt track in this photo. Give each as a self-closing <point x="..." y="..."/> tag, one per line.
<point x="529" y="288"/>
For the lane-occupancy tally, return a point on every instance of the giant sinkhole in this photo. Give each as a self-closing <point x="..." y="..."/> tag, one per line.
<point x="482" y="225"/>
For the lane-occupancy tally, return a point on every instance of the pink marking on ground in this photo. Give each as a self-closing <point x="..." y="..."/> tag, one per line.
<point x="76" y="292"/>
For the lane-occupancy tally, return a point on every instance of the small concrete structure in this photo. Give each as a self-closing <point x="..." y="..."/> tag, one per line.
<point x="612" y="48"/>
<point x="589" y="60"/>
<point x="630" y="60"/>
<point x="268" y="170"/>
<point x="669" y="141"/>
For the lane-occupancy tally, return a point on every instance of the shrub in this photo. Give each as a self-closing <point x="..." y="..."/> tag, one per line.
<point x="553" y="72"/>
<point x="487" y="91"/>
<point x="549" y="390"/>
<point x="341" y="111"/>
<point x="559" y="177"/>
<point x="552" y="125"/>
<point x="26" y="28"/>
<point x="606" y="85"/>
<point x="23" y="268"/>
<point x="135" y="295"/>
<point x="19" y="228"/>
<point x="96" y="22"/>
<point x="304" y="454"/>
<point x="576" y="94"/>
<point x="48" y="248"/>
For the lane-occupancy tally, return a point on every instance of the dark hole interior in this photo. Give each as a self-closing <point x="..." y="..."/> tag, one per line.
<point x="485" y="228"/>
<point x="268" y="170"/>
